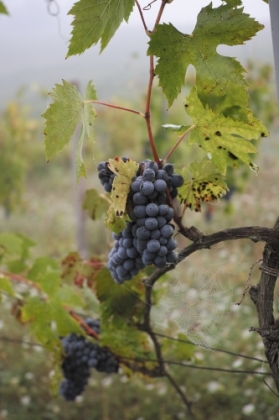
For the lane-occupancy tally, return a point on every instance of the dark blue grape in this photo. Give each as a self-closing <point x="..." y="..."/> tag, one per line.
<point x="153" y="245"/>
<point x="152" y="209"/>
<point x="167" y="231"/>
<point x="147" y="188"/>
<point x="160" y="185"/>
<point x="168" y="167"/>
<point x="143" y="233"/>
<point x="151" y="223"/>
<point x="140" y="211"/>
<point x="148" y="174"/>
<point x="138" y="198"/>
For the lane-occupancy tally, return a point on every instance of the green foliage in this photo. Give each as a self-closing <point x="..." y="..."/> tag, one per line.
<point x="3" y="9"/>
<point x="203" y="182"/>
<point x="95" y="20"/>
<point x="62" y="117"/>
<point x="176" y="51"/>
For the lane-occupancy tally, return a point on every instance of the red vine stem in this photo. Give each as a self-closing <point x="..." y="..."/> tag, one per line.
<point x="20" y="279"/>
<point x="149" y="91"/>
<point x="142" y="17"/>
<point x="148" y="109"/>
<point x="77" y="318"/>
<point x="134" y="111"/>
<point x="178" y="142"/>
<point x="164" y="2"/>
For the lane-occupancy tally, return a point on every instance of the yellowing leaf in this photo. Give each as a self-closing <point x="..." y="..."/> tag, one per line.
<point x="96" y="20"/>
<point x="227" y="142"/>
<point x="124" y="171"/>
<point x="219" y="79"/>
<point x="62" y="116"/>
<point x="203" y="182"/>
<point x="95" y="204"/>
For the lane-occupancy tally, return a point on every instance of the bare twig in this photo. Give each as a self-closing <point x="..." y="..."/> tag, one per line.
<point x="248" y="281"/>
<point x="209" y="368"/>
<point x="182" y="395"/>
<point x="179" y="340"/>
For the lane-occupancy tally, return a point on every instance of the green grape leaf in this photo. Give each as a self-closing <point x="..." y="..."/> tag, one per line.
<point x="42" y="314"/>
<point x="11" y="245"/>
<point x="176" y="51"/>
<point x="67" y="295"/>
<point x="48" y="282"/>
<point x="96" y="204"/>
<point x="62" y="117"/>
<point x="3" y="9"/>
<point x="6" y="286"/>
<point x="227" y="142"/>
<point x="42" y="265"/>
<point x="96" y="20"/>
<point x="125" y="341"/>
<point x="233" y="3"/>
<point x="119" y="301"/>
<point x="124" y="171"/>
<point x="203" y="182"/>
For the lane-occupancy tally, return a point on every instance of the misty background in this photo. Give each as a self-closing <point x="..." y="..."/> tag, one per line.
<point x="34" y="46"/>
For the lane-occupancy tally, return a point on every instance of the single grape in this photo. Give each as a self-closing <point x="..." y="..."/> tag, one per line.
<point x="167" y="231"/>
<point x="153" y="245"/>
<point x="160" y="185"/>
<point x="147" y="188"/>
<point x="151" y="223"/>
<point x="152" y="209"/>
<point x="148" y="175"/>
<point x="140" y="211"/>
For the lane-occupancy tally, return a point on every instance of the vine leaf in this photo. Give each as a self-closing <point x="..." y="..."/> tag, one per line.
<point x="203" y="182"/>
<point x="111" y="296"/>
<point x="96" y="20"/>
<point x="176" y="51"/>
<point x="95" y="203"/>
<point x="62" y="116"/>
<point x="3" y="9"/>
<point x="124" y="171"/>
<point x="6" y="286"/>
<point x="227" y="142"/>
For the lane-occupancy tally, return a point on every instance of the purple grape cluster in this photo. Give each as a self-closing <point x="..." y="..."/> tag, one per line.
<point x="81" y="355"/>
<point x="147" y="239"/>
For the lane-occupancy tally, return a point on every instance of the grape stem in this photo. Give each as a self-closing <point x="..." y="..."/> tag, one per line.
<point x="121" y="108"/>
<point x="178" y="142"/>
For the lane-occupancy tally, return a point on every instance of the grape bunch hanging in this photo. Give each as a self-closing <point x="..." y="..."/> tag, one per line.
<point x="148" y="238"/>
<point x="81" y="356"/>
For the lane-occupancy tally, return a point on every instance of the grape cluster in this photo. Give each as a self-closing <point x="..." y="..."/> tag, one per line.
<point x="81" y="355"/>
<point x="147" y="240"/>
